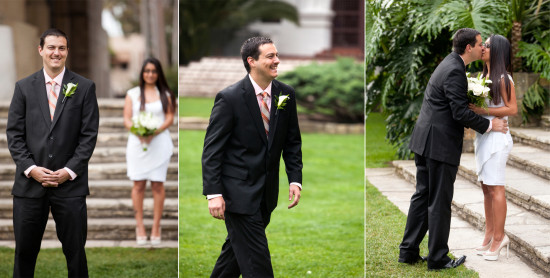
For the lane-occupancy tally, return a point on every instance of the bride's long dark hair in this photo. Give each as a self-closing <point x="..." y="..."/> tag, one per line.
<point x="161" y="84"/>
<point x="501" y="66"/>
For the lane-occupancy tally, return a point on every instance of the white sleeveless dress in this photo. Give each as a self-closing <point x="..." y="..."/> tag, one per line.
<point x="491" y="152"/>
<point x="151" y="164"/>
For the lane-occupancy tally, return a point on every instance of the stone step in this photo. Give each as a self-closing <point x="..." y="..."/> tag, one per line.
<point x="545" y="122"/>
<point x="97" y="171"/>
<point x="106" y="189"/>
<point x="103" y="229"/>
<point x="530" y="159"/>
<point x="106" y="124"/>
<point x="101" y="155"/>
<point x="109" y="208"/>
<point x="525" y="189"/>
<point x="536" y="137"/>
<point x="117" y="171"/>
<point x="106" y="139"/>
<point x="108" y="107"/>
<point x="529" y="232"/>
<point x="463" y="237"/>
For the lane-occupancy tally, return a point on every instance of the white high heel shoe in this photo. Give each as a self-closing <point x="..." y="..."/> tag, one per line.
<point x="482" y="249"/>
<point x="493" y="256"/>
<point x="156" y="240"/>
<point x="140" y="240"/>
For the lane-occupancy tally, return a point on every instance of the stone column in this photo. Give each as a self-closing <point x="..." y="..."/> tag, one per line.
<point x="98" y="50"/>
<point x="7" y="60"/>
<point x="314" y="32"/>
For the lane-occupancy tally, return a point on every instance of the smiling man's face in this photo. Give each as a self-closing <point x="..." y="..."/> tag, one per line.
<point x="54" y="53"/>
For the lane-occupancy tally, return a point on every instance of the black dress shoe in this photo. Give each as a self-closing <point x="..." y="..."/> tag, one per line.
<point x="413" y="261"/>
<point x="451" y="264"/>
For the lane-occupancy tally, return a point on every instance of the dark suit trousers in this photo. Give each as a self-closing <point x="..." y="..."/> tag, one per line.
<point x="245" y="250"/>
<point x="430" y="209"/>
<point x="30" y="216"/>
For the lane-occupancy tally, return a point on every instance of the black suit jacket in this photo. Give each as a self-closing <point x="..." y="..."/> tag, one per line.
<point x="67" y="141"/>
<point x="439" y="130"/>
<point x="239" y="160"/>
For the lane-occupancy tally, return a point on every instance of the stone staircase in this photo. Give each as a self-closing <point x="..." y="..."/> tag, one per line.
<point x="527" y="191"/>
<point x="110" y="212"/>
<point x="205" y="78"/>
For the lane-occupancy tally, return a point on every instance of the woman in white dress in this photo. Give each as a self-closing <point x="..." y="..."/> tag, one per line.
<point x="492" y="148"/>
<point x="151" y="163"/>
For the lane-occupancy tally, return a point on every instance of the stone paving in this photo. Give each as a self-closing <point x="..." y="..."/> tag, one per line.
<point x="463" y="237"/>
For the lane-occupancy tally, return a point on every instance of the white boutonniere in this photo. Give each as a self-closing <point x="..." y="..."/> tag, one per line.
<point x="281" y="101"/>
<point x="69" y="90"/>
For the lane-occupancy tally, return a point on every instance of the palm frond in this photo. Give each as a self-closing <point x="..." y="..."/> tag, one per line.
<point x="537" y="56"/>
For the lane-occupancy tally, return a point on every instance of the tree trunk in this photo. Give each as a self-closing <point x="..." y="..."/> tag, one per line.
<point x="516" y="38"/>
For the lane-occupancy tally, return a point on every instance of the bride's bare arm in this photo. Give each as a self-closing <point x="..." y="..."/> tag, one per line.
<point x="510" y="107"/>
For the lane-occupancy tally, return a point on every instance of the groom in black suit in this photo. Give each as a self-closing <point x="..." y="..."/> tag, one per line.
<point x="51" y="137"/>
<point x="437" y="144"/>
<point x="248" y="131"/>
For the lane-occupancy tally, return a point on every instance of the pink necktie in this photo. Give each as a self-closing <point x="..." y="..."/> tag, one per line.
<point x="52" y="99"/>
<point x="265" y="112"/>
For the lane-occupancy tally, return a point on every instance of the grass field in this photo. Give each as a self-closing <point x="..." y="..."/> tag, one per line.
<point x="384" y="222"/>
<point x="102" y="262"/>
<point x="195" y="106"/>
<point x="322" y="235"/>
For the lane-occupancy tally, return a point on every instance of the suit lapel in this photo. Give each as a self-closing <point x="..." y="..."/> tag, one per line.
<point x="252" y="105"/>
<point x="273" y="113"/>
<point x="39" y="87"/>
<point x="67" y="78"/>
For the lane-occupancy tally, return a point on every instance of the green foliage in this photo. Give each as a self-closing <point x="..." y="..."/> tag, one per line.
<point x="534" y="16"/>
<point x="326" y="226"/>
<point x="537" y="56"/>
<point x="171" y="75"/>
<point x="336" y="87"/>
<point x="534" y="101"/>
<point x="378" y="152"/>
<point x="405" y="41"/>
<point x="205" y="22"/>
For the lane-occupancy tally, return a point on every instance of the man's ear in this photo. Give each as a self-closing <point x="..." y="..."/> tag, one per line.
<point x="251" y="61"/>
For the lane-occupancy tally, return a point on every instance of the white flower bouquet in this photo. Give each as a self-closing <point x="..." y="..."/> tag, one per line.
<point x="478" y="91"/>
<point x="144" y="124"/>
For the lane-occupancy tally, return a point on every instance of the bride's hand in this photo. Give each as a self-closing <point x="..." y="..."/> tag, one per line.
<point x="476" y="109"/>
<point x="146" y="139"/>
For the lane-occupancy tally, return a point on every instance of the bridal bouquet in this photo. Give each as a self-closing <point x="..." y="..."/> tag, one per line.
<point x="145" y="124"/>
<point x="478" y="91"/>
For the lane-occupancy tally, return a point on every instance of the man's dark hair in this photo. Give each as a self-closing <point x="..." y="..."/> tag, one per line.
<point x="464" y="37"/>
<point x="251" y="48"/>
<point x="53" y="32"/>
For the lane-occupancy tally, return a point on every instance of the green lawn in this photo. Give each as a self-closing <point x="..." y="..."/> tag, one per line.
<point x="102" y="262"/>
<point x="195" y="106"/>
<point x="322" y="235"/>
<point x="201" y="107"/>
<point x="384" y="223"/>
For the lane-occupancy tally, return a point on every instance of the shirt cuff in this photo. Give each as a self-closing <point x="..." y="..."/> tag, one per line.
<point x="212" y="196"/>
<point x="490" y="126"/>
<point x="297" y="184"/>
<point x="71" y="173"/>
<point x="28" y="171"/>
